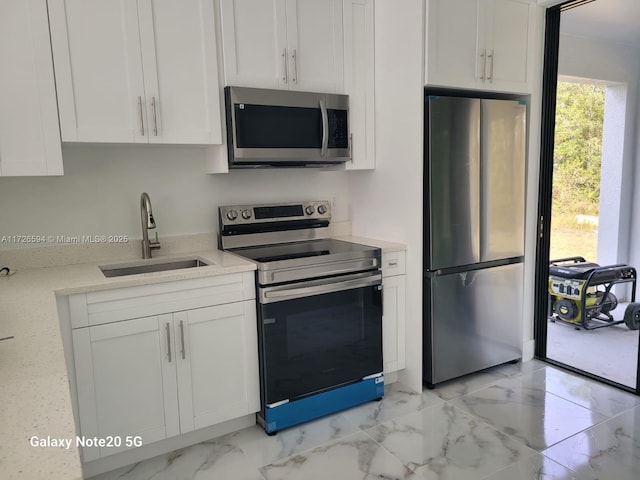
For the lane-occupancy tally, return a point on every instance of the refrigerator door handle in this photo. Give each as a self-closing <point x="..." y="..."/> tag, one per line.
<point x="467" y="278"/>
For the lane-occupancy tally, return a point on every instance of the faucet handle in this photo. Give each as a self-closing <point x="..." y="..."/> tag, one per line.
<point x="155" y="243"/>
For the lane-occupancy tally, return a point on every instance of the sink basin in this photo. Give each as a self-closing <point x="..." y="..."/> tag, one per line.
<point x="148" y="266"/>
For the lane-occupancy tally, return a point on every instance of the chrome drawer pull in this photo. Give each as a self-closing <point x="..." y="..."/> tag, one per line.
<point x="168" y="342"/>
<point x="182" y="337"/>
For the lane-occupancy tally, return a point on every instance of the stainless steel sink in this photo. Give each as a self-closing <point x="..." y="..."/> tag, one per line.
<point x="155" y="265"/>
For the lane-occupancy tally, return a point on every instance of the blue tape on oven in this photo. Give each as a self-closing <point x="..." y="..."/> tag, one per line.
<point x="321" y="404"/>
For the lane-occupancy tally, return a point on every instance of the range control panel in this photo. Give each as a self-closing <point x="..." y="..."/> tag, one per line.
<point x="288" y="212"/>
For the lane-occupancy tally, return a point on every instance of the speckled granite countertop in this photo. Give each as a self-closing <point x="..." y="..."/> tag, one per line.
<point x="386" y="247"/>
<point x="34" y="394"/>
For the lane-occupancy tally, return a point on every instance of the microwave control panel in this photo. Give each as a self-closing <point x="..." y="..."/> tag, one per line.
<point x="338" y="129"/>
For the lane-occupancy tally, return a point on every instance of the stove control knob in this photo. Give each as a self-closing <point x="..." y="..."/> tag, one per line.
<point x="246" y="214"/>
<point x="309" y="209"/>
<point x="232" y="215"/>
<point x="322" y="209"/>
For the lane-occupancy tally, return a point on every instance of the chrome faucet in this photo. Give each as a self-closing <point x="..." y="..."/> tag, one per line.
<point x="146" y="216"/>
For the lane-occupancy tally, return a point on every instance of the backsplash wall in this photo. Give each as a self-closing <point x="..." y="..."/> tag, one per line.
<point x="99" y="193"/>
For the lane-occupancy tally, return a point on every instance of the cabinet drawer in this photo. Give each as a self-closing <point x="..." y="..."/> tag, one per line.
<point x="97" y="308"/>
<point x="393" y="263"/>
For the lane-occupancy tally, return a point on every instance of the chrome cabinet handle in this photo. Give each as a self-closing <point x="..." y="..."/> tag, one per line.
<point x="351" y="147"/>
<point x="483" y="56"/>
<point x="182" y="338"/>
<point x="325" y="128"/>
<point x="491" y="56"/>
<point x="168" y="342"/>
<point x="155" y="117"/>
<point x="285" y="79"/>
<point x="141" y="117"/>
<point x="294" y="57"/>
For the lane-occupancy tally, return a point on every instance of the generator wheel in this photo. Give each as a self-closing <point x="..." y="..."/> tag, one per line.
<point x="632" y="316"/>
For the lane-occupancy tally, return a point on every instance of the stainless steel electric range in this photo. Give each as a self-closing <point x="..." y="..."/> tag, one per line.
<point x="319" y="303"/>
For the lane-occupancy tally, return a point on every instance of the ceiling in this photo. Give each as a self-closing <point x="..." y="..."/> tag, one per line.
<point x="612" y="20"/>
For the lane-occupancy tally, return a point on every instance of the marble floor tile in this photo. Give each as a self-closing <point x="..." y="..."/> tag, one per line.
<point x="489" y="430"/>
<point x="470" y="383"/>
<point x="398" y="400"/>
<point x="212" y="460"/>
<point x="262" y="449"/>
<point x="444" y="443"/>
<point x="356" y="457"/>
<point x="527" y="412"/>
<point x="520" y="368"/>
<point x="596" y="396"/>
<point x="536" y="467"/>
<point x="608" y="451"/>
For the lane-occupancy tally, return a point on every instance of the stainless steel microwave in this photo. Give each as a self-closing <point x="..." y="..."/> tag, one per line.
<point x="281" y="128"/>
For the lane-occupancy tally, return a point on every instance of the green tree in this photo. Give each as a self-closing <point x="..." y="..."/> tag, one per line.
<point x="578" y="148"/>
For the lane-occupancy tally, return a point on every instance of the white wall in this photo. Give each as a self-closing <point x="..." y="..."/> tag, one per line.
<point x="612" y="63"/>
<point x="533" y="176"/>
<point x="387" y="203"/>
<point x="99" y="193"/>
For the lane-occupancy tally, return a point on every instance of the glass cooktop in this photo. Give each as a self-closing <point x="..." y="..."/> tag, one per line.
<point x="298" y="250"/>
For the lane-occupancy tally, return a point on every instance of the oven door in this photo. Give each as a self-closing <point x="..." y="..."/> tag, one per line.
<point x="319" y="334"/>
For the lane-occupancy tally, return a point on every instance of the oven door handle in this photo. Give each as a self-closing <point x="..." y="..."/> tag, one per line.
<point x="316" y="287"/>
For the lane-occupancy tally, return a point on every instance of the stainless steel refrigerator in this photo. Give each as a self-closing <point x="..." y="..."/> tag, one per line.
<point x="474" y="194"/>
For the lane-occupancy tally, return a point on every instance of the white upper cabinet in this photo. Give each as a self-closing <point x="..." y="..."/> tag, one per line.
<point x="29" y="131"/>
<point x="509" y="37"/>
<point x="315" y="45"/>
<point x="285" y="44"/>
<point x="143" y="72"/>
<point x="179" y="58"/>
<point x="359" y="81"/>
<point x="254" y="40"/>
<point x="479" y="44"/>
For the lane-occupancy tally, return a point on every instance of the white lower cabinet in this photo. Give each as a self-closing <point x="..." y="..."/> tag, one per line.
<point x="126" y="385"/>
<point x="164" y="375"/>
<point x="217" y="364"/>
<point x="393" y="311"/>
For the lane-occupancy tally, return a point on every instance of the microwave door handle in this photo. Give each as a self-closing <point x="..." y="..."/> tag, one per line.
<point x="325" y="128"/>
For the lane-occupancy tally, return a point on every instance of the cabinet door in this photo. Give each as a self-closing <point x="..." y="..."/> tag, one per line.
<point x="453" y="56"/>
<point x="179" y="59"/>
<point x="393" y="322"/>
<point x="96" y="52"/>
<point x="217" y="364"/>
<point x="126" y="380"/>
<point x="29" y="133"/>
<point x="315" y="45"/>
<point x="508" y="36"/>
<point x="254" y="40"/>
<point x="359" y="74"/>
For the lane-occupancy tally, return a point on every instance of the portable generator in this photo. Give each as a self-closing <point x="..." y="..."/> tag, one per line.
<point x="580" y="294"/>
